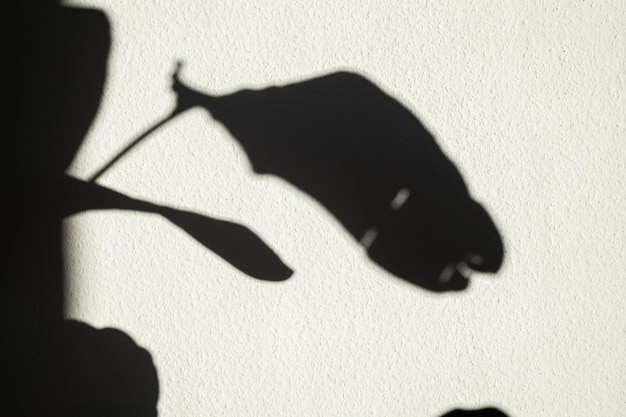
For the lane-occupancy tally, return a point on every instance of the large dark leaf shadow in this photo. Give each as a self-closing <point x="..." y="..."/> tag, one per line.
<point x="372" y="164"/>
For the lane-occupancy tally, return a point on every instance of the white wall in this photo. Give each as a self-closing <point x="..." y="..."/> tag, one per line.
<point x="527" y="98"/>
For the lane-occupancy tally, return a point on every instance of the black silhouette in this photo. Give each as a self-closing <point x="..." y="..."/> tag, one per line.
<point x="99" y="372"/>
<point x="404" y="201"/>
<point x="371" y="163"/>
<point x="61" y="56"/>
<point x="235" y="243"/>
<point x="483" y="412"/>
<point x="50" y="366"/>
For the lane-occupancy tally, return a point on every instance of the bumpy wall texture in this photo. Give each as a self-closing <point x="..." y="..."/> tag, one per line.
<point x="526" y="99"/>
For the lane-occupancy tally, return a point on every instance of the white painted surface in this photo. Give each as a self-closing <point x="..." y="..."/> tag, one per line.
<point x="527" y="98"/>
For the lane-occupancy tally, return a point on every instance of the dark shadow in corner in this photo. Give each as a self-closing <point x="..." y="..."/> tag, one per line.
<point x="101" y="372"/>
<point x="372" y="164"/>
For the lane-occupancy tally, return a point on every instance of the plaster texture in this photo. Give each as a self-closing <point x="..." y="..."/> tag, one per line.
<point x="528" y="99"/>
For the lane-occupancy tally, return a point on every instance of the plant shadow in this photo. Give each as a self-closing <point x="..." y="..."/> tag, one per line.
<point x="339" y="138"/>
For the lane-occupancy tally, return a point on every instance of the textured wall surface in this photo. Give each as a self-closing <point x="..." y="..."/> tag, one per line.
<point x="527" y="98"/>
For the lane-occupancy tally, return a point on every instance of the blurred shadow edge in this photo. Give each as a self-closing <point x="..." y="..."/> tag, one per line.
<point x="51" y="367"/>
<point x="482" y="412"/>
